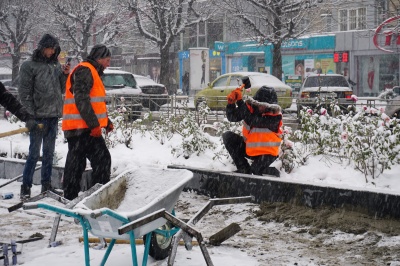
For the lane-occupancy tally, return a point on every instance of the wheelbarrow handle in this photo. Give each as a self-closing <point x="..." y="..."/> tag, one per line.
<point x="18" y="131"/>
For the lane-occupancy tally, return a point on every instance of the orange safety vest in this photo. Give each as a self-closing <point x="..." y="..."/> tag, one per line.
<point x="261" y="141"/>
<point x="71" y="117"/>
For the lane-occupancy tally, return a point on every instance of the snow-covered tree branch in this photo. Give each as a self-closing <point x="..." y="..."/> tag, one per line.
<point x="18" y="19"/>
<point x="161" y="22"/>
<point x="269" y="22"/>
<point x="84" y="23"/>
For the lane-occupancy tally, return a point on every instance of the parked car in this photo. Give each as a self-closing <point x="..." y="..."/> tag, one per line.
<point x="322" y="89"/>
<point x="122" y="90"/>
<point x="135" y="88"/>
<point x="215" y="94"/>
<point x="392" y="96"/>
<point x="153" y="94"/>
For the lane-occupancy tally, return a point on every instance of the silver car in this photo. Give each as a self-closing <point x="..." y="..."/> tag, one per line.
<point x="321" y="89"/>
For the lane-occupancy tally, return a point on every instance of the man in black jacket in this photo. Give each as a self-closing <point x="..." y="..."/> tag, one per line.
<point x="260" y="113"/>
<point x="41" y="88"/>
<point x="84" y="116"/>
<point x="12" y="104"/>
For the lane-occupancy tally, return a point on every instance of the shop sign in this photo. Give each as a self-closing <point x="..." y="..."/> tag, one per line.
<point x="219" y="46"/>
<point x="183" y="54"/>
<point x="295" y="44"/>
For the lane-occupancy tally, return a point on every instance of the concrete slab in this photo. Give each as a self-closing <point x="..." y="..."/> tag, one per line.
<point x="11" y="168"/>
<point x="272" y="189"/>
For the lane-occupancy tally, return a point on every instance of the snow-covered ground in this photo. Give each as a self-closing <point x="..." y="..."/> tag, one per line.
<point x="259" y="242"/>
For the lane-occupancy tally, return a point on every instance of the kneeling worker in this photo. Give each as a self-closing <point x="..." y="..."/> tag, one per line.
<point x="261" y="140"/>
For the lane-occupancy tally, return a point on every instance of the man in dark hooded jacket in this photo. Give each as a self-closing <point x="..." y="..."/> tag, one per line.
<point x="262" y="122"/>
<point x="84" y="117"/>
<point x="41" y="88"/>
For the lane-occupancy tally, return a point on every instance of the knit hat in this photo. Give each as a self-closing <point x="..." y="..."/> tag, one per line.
<point x="99" y="51"/>
<point x="48" y="41"/>
<point x="266" y="94"/>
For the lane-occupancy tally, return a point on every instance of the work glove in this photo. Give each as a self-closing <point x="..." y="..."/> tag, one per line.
<point x="238" y="92"/>
<point x="110" y="126"/>
<point x="96" y="132"/>
<point x="31" y="124"/>
<point x="235" y="95"/>
<point x="231" y="97"/>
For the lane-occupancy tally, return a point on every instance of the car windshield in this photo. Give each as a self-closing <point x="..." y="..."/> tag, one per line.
<point x="267" y="80"/>
<point x="143" y="81"/>
<point x="117" y="80"/>
<point x="326" y="81"/>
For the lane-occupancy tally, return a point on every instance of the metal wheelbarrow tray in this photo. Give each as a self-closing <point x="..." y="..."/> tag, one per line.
<point x="132" y="195"/>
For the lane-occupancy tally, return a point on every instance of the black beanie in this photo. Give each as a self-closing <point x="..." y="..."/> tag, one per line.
<point x="48" y="41"/>
<point x="267" y="95"/>
<point x="99" y="51"/>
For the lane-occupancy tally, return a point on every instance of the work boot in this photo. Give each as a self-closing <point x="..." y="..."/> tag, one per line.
<point x="25" y="192"/>
<point x="48" y="187"/>
<point x="244" y="170"/>
<point x="272" y="171"/>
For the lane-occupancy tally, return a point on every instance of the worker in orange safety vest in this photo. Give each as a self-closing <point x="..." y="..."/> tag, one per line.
<point x="84" y="120"/>
<point x="262" y="129"/>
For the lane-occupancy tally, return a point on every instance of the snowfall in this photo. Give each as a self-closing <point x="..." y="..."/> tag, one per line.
<point x="147" y="152"/>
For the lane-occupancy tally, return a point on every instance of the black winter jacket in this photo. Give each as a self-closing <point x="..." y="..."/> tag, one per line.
<point x="81" y="85"/>
<point x="12" y="104"/>
<point x="242" y="112"/>
<point x="42" y="85"/>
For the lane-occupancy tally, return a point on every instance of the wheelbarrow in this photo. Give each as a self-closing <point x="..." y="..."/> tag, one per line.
<point x="134" y="194"/>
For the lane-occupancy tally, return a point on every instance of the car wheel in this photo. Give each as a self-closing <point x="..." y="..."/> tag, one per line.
<point x="159" y="244"/>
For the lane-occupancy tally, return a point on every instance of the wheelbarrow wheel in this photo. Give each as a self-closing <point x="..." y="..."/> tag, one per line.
<point x="159" y="244"/>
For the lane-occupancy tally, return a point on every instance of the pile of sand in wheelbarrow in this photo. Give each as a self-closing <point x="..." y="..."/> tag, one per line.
<point x="135" y="188"/>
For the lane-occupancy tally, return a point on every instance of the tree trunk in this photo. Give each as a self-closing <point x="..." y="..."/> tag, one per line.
<point x="164" y="69"/>
<point x="277" y="61"/>
<point x="15" y="66"/>
<point x="277" y="55"/>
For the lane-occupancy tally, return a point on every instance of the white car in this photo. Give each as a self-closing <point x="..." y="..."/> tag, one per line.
<point x="120" y="82"/>
<point x="134" y="89"/>
<point x="122" y="91"/>
<point x="321" y="89"/>
<point x="154" y="94"/>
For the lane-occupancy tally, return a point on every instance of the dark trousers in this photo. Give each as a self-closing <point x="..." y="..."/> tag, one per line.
<point x="79" y="148"/>
<point x="236" y="147"/>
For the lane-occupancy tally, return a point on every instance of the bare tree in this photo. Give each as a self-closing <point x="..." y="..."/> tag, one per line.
<point x="270" y="22"/>
<point x="18" y="19"/>
<point x="161" y="22"/>
<point x="83" y="23"/>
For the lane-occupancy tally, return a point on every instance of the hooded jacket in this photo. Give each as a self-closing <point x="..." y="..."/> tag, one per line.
<point x="261" y="140"/>
<point x="262" y="122"/>
<point x="255" y="119"/>
<point x="42" y="81"/>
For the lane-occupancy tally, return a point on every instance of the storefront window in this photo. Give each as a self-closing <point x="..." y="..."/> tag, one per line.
<point x="305" y="65"/>
<point x="377" y="73"/>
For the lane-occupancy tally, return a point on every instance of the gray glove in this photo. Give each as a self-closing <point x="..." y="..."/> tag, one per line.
<point x="31" y="124"/>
